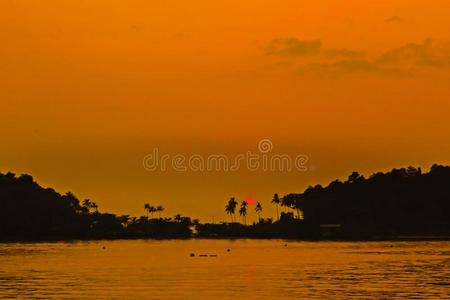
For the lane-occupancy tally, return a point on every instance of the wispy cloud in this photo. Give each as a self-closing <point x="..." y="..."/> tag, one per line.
<point x="395" y="19"/>
<point x="401" y="61"/>
<point x="293" y="47"/>
<point x="343" y="53"/>
<point x="429" y="53"/>
<point x="302" y="48"/>
<point x="348" y="67"/>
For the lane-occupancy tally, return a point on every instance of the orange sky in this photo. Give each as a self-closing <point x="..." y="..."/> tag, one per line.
<point x="88" y="88"/>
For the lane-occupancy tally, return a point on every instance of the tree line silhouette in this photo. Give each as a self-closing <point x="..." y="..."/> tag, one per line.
<point x="402" y="202"/>
<point x="28" y="211"/>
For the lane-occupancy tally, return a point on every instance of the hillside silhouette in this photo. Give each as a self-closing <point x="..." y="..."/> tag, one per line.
<point x="401" y="203"/>
<point x="28" y="211"/>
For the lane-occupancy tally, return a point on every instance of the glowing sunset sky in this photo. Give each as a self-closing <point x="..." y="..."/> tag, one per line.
<point x="88" y="88"/>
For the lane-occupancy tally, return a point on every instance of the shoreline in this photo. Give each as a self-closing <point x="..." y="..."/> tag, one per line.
<point x="378" y="239"/>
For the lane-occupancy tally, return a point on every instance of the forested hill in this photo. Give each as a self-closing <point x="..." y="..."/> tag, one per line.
<point x="28" y="211"/>
<point x="401" y="202"/>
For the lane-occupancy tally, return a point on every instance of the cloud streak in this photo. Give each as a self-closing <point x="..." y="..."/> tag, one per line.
<point x="395" y="19"/>
<point x="343" y="53"/>
<point x="402" y="61"/>
<point x="348" y="67"/>
<point x="293" y="47"/>
<point x="429" y="53"/>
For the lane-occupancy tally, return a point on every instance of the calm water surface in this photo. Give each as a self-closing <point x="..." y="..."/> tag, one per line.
<point x="253" y="269"/>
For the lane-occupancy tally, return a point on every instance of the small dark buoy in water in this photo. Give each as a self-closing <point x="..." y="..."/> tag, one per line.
<point x="228" y="250"/>
<point x="103" y="247"/>
<point x="192" y="255"/>
<point x="285" y="245"/>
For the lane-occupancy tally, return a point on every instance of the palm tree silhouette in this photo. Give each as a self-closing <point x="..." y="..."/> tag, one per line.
<point x="147" y="208"/>
<point x="276" y="201"/>
<point x="243" y="211"/>
<point x="177" y="217"/>
<point x="258" y="209"/>
<point x="159" y="209"/>
<point x="152" y="211"/>
<point x="230" y="208"/>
